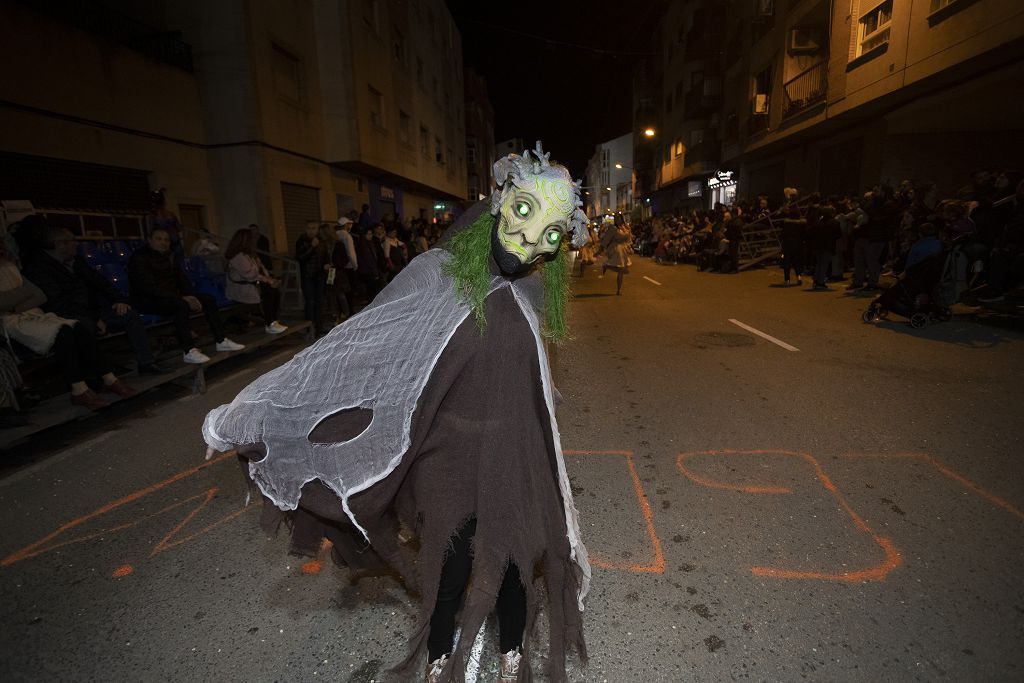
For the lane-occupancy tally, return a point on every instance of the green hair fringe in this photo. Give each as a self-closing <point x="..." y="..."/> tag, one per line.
<point x="470" y="268"/>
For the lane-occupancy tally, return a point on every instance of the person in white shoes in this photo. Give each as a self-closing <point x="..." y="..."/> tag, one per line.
<point x="249" y="282"/>
<point x="158" y="285"/>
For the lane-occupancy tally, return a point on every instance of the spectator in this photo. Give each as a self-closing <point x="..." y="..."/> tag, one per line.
<point x="792" y="238"/>
<point x="380" y="250"/>
<point x="364" y="218"/>
<point x="75" y="348"/>
<point x="162" y="218"/>
<point x="249" y="283"/>
<point x="312" y="258"/>
<point x="395" y="251"/>
<point x="734" y="233"/>
<point x="208" y="250"/>
<point x="336" y="282"/>
<point x="823" y="240"/>
<point x="75" y="291"/>
<point x="344" y="234"/>
<point x="262" y="245"/>
<point x="368" y="267"/>
<point x="158" y="285"/>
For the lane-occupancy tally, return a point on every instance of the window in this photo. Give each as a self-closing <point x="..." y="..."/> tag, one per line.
<point x="438" y="155"/>
<point x="398" y="46"/>
<point x="424" y="142"/>
<point x="474" y="187"/>
<point x="939" y="4"/>
<point x="765" y="8"/>
<point x="450" y="158"/>
<point x="287" y="75"/>
<point x="762" y="91"/>
<point x="677" y="148"/>
<point x="668" y="154"/>
<point x="376" y="106"/>
<point x="404" y="128"/>
<point x="873" y="28"/>
<point x="471" y="150"/>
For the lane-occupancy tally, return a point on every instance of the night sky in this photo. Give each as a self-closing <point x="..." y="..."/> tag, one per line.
<point x="557" y="71"/>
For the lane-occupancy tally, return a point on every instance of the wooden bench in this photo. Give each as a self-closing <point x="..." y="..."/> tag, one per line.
<point x="58" y="410"/>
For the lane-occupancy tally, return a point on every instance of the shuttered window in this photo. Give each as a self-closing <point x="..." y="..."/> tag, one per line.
<point x="301" y="204"/>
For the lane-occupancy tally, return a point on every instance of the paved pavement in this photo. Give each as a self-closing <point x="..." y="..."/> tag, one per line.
<point x="770" y="490"/>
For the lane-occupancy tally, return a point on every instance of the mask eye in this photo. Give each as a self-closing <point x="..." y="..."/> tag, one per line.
<point x="522" y="209"/>
<point x="554" y="237"/>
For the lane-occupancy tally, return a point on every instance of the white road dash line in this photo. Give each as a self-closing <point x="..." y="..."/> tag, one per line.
<point x="761" y="334"/>
<point x="650" y="280"/>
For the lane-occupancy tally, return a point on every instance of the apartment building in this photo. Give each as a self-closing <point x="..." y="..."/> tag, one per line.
<point x="480" y="150"/>
<point x="608" y="184"/>
<point x="245" y="110"/>
<point x="838" y="95"/>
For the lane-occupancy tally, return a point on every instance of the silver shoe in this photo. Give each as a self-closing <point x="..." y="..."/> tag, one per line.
<point x="508" y="667"/>
<point x="434" y="669"/>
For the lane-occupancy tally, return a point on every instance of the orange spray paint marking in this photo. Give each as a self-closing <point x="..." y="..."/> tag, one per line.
<point x="123" y="570"/>
<point x="657" y="564"/>
<point x="951" y="474"/>
<point x="312" y="567"/>
<point x="879" y="572"/>
<point x="40" y="546"/>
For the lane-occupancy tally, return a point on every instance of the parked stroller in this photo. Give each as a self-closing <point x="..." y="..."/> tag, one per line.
<point x="925" y="292"/>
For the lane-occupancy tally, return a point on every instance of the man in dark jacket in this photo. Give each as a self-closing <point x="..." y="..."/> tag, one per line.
<point x="733" y="233"/>
<point x="158" y="285"/>
<point x="76" y="291"/>
<point x="312" y="257"/>
<point x="822" y="240"/>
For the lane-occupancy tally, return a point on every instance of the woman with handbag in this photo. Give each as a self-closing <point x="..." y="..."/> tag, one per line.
<point x="250" y="283"/>
<point x="74" y="345"/>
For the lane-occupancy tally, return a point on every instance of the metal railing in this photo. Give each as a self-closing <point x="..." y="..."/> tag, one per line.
<point x="805" y="89"/>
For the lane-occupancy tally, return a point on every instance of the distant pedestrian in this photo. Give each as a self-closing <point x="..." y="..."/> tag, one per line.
<point x="312" y="257"/>
<point x="616" y="242"/>
<point x="792" y="244"/>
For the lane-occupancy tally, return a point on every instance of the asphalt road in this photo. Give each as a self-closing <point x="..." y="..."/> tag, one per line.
<point x="849" y="508"/>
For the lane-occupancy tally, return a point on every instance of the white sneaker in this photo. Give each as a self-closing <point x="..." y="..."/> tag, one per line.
<point x="275" y="328"/>
<point x="228" y="345"/>
<point x="196" y="356"/>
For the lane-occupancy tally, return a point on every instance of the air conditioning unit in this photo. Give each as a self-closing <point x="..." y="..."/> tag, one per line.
<point x="804" y="40"/>
<point x="761" y="103"/>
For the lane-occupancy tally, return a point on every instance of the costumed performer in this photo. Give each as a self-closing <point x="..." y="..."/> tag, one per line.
<point x="433" y="409"/>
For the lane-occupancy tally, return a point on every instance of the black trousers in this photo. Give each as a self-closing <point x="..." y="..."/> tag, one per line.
<point x="511" y="604"/>
<point x="313" y="297"/>
<point x="792" y="259"/>
<point x="132" y="326"/>
<point x="179" y="312"/>
<point x="270" y="302"/>
<point x="78" y="354"/>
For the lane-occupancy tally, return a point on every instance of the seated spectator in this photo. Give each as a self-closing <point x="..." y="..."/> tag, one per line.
<point x="249" y="283"/>
<point x="79" y="358"/>
<point x="77" y="292"/>
<point x="158" y="285"/>
<point x="208" y="250"/>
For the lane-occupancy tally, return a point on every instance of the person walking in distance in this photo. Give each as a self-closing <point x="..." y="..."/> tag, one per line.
<point x="310" y="254"/>
<point x="616" y="241"/>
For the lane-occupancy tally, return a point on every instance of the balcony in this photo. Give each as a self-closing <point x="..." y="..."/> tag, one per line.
<point x="805" y="89"/>
<point x="698" y="105"/>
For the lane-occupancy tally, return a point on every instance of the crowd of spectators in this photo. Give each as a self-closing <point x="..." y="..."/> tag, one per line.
<point x="343" y="265"/>
<point x="858" y="237"/>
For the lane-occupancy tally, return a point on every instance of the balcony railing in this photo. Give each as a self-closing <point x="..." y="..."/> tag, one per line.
<point x="805" y="89"/>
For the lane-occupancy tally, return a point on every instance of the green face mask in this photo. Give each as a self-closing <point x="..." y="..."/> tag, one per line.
<point x="533" y="224"/>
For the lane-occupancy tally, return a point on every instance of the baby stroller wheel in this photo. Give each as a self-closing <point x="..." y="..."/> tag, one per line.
<point x="918" y="320"/>
<point x="871" y="315"/>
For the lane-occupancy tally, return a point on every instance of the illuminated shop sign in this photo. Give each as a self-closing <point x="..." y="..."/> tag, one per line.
<point x="694" y="189"/>
<point x="721" y="179"/>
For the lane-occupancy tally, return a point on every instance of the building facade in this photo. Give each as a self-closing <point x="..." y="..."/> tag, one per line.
<point x="245" y="110"/>
<point x="837" y="96"/>
<point x="608" y="185"/>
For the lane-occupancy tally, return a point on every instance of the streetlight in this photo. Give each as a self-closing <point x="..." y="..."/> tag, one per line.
<point x="608" y="188"/>
<point x="649" y="132"/>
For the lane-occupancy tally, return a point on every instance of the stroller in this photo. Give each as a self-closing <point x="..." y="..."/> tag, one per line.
<point x="925" y="292"/>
